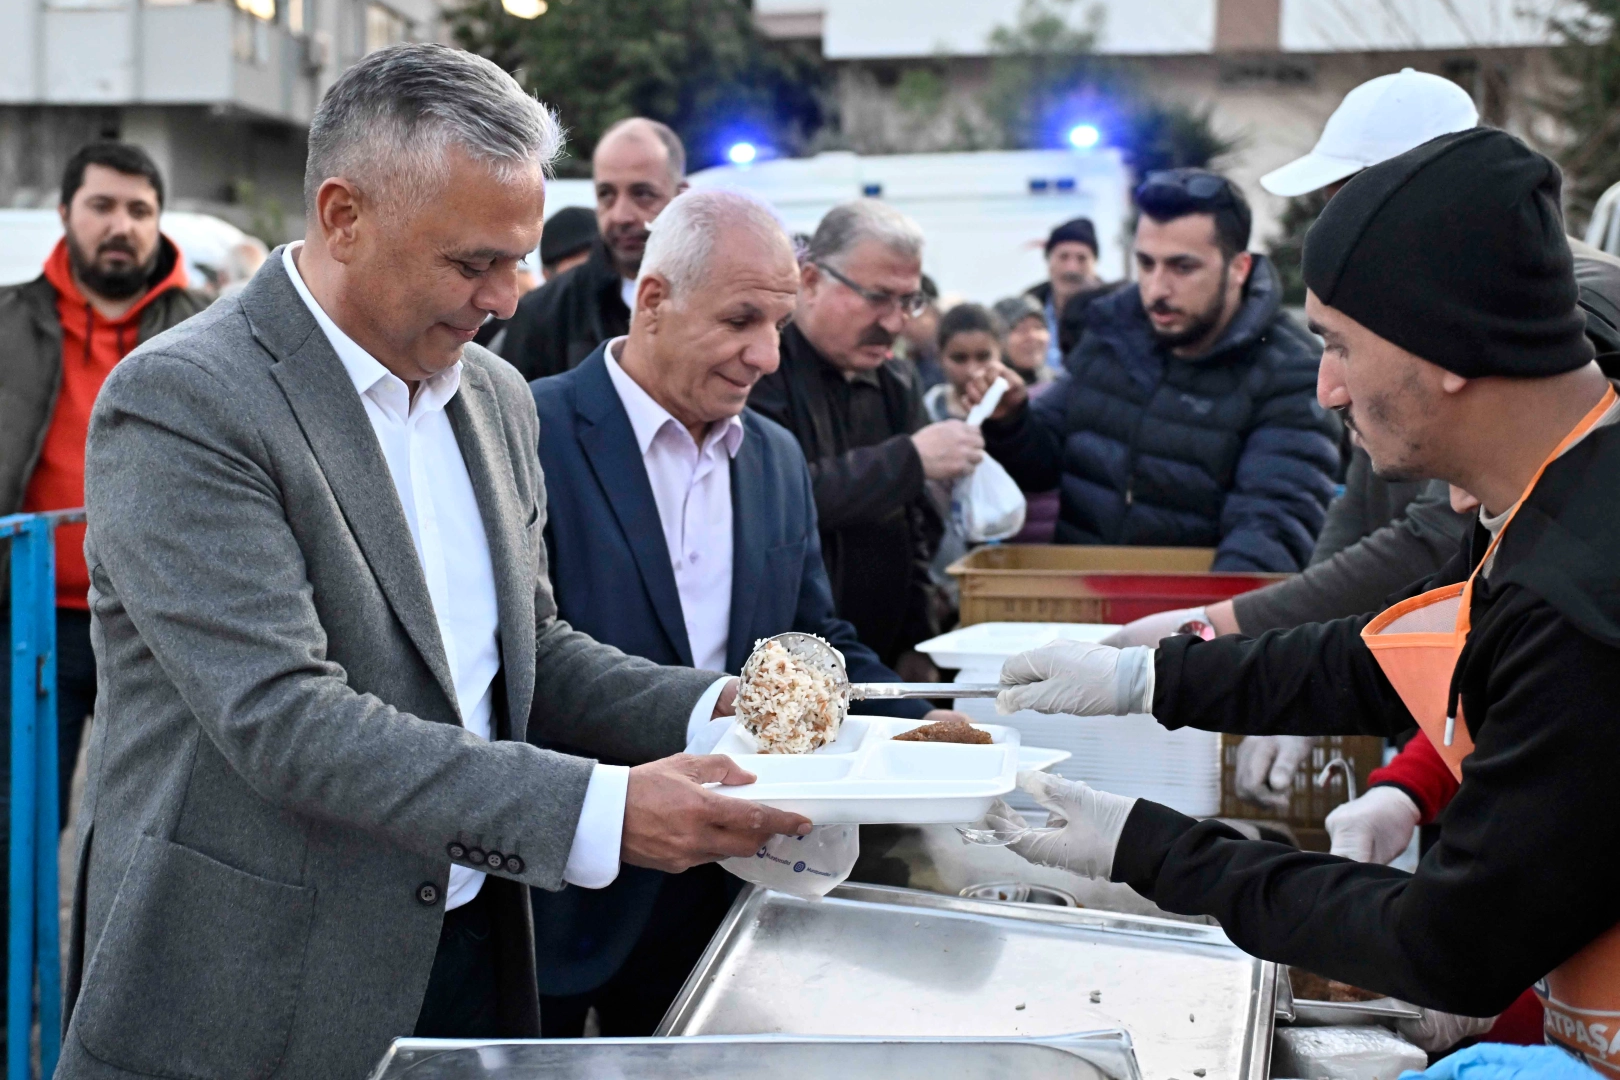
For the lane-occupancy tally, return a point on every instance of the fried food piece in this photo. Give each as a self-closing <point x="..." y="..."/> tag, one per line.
<point x="952" y="731"/>
<point x="1308" y="986"/>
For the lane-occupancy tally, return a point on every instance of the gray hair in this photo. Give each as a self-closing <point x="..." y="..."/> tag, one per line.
<point x="683" y="235"/>
<point x="388" y="121"/>
<point x="851" y="223"/>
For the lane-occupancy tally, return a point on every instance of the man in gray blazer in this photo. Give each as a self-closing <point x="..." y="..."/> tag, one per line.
<point x="324" y="629"/>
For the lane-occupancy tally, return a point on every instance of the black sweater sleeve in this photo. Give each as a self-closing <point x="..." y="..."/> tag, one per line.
<point x="1316" y="679"/>
<point x="1521" y="878"/>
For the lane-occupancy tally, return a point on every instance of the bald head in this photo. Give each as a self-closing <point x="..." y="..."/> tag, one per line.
<point x="638" y="167"/>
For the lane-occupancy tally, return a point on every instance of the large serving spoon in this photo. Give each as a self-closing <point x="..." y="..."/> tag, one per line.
<point x="824" y="659"/>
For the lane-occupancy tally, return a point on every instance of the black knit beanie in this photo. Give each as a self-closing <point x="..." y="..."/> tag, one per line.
<point x="1077" y="230"/>
<point x="1455" y="251"/>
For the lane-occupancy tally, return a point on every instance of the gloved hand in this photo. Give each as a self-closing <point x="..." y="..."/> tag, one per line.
<point x="1265" y="767"/>
<point x="1152" y="629"/>
<point x="1078" y="677"/>
<point x="1436" y="1031"/>
<point x="1374" y="828"/>
<point x="1082" y="832"/>
<point x="1499" y="1061"/>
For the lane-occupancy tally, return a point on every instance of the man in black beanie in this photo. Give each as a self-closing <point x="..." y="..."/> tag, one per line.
<point x="1071" y="270"/>
<point x="1442" y="284"/>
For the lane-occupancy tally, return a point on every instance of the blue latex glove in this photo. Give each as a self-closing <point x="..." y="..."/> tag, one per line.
<point x="1501" y="1061"/>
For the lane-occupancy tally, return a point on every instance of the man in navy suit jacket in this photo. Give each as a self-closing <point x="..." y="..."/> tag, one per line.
<point x="652" y="422"/>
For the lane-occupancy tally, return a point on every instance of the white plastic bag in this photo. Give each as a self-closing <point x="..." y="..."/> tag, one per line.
<point x="809" y="866"/>
<point x="986" y="503"/>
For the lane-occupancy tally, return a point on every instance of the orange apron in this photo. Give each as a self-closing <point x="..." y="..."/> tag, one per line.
<point x="1417" y="643"/>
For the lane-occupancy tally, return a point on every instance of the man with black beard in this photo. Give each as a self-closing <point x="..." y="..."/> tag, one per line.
<point x="112" y="281"/>
<point x="1187" y="415"/>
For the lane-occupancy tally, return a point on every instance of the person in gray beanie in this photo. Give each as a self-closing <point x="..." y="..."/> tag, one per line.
<point x="1443" y="287"/>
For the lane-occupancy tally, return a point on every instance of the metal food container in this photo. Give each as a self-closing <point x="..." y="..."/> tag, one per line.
<point x="870" y="960"/>
<point x="1101" y="1055"/>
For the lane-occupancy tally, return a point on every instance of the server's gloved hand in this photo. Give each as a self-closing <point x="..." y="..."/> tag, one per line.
<point x="1374" y="828"/>
<point x="1264" y="770"/>
<point x="1499" y="1061"/>
<point x="1435" y="1031"/>
<point x="1152" y="629"/>
<point x="1078" y="677"/>
<point x="1083" y="830"/>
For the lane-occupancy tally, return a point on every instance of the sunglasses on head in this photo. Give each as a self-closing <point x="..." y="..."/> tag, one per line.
<point x="1204" y="187"/>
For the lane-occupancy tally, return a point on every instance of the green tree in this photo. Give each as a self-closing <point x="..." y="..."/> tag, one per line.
<point x="1287" y="248"/>
<point x="1588" y="104"/>
<point x="1045" y="74"/>
<point x="700" y="66"/>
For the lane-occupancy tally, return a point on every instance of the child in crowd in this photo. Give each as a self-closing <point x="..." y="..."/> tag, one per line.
<point x="969" y="341"/>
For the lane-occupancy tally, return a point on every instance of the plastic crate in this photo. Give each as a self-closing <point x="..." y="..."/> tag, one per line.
<point x="1068" y="583"/>
<point x="1309" y="803"/>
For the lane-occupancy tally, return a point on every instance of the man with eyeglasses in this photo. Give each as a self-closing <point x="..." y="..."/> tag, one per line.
<point x="1186" y="416"/>
<point x="858" y="414"/>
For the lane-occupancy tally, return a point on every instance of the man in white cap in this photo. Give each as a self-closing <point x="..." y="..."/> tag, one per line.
<point x="1376" y="121"/>
<point x="1383" y="534"/>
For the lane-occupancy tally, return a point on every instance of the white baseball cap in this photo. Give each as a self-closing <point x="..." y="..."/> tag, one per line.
<point x="1376" y="121"/>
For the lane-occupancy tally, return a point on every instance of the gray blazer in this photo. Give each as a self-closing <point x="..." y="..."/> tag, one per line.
<point x="279" y="772"/>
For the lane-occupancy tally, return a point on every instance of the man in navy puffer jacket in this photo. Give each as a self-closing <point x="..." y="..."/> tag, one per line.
<point x="1187" y="414"/>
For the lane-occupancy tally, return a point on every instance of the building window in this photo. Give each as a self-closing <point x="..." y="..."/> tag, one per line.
<point x="295" y="16"/>
<point x="384" y="27"/>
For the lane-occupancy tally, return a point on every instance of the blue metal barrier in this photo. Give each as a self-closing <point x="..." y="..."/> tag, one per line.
<point x="34" y="947"/>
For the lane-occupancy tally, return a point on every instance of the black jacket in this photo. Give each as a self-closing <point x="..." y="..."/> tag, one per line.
<point x="878" y="528"/>
<point x="31" y="374"/>
<point x="563" y="321"/>
<point x="1522" y="875"/>
<point x="1228" y="450"/>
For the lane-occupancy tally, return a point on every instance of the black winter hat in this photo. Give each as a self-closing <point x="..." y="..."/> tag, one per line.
<point x="571" y="229"/>
<point x="1077" y="230"/>
<point x="1455" y="251"/>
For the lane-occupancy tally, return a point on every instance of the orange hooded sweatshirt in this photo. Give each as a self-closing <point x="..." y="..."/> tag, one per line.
<point x="91" y="345"/>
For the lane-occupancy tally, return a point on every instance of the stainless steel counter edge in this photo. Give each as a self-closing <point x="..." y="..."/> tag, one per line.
<point x="1263" y="989"/>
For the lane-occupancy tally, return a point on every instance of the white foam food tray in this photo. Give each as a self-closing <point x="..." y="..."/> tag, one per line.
<point x="983" y="646"/>
<point x="864" y="777"/>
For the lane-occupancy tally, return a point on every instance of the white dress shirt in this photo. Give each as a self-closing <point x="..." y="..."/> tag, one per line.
<point x="692" y="486"/>
<point x="447" y="531"/>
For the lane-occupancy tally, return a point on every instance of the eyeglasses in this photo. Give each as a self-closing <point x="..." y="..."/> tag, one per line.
<point x="910" y="305"/>
<point x="1203" y="187"/>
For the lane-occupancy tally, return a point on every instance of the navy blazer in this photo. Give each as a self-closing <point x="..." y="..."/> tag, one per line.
<point x="611" y="572"/>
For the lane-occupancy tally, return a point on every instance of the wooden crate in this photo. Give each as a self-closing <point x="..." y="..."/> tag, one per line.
<point x="1089" y="584"/>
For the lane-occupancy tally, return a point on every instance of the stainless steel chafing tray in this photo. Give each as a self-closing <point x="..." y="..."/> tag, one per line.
<point x="870" y="960"/>
<point x="1100" y="1055"/>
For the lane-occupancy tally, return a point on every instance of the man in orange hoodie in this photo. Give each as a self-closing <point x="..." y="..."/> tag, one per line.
<point x="112" y="281"/>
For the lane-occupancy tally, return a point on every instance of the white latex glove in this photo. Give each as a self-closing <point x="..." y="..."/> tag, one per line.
<point x="1152" y="629"/>
<point x="1438" y="1031"/>
<point x="1082" y="678"/>
<point x="1082" y="832"/>
<point x="1265" y="767"/>
<point x="1374" y="828"/>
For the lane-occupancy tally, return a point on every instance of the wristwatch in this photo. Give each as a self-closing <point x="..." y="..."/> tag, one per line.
<point x="1197" y="628"/>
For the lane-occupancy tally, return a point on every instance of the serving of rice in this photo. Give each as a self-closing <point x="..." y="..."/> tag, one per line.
<point x="786" y="704"/>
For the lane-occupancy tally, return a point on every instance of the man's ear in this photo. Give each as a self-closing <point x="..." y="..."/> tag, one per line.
<point x="652" y="295"/>
<point x="339" y="207"/>
<point x="1242" y="265"/>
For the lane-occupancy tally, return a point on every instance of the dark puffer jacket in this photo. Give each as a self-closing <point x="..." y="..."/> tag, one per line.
<point x="1227" y="450"/>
